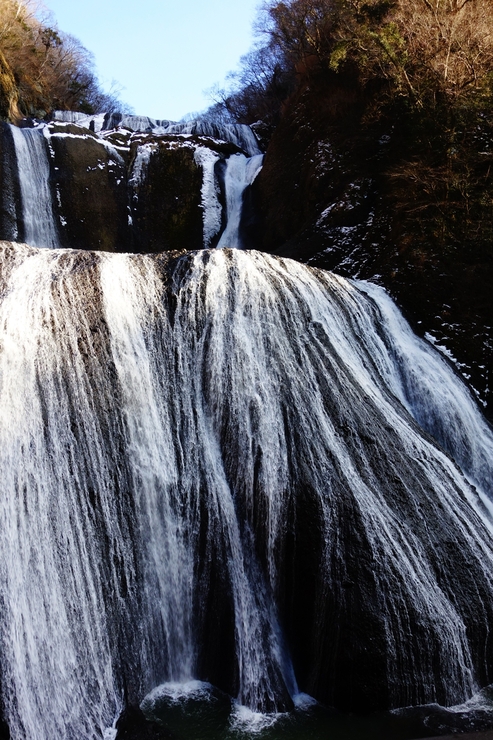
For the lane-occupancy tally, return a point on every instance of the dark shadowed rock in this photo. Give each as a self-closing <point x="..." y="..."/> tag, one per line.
<point x="10" y="206"/>
<point x="4" y="731"/>
<point x="166" y="196"/>
<point x="132" y="725"/>
<point x="89" y="176"/>
<point x="471" y="718"/>
<point x="372" y="200"/>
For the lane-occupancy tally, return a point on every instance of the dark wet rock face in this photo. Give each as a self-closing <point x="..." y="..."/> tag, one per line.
<point x="10" y="205"/>
<point x="90" y="180"/>
<point x="383" y="201"/>
<point x="165" y="196"/>
<point x="124" y="193"/>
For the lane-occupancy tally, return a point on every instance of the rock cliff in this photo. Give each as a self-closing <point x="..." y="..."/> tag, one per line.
<point x="380" y="200"/>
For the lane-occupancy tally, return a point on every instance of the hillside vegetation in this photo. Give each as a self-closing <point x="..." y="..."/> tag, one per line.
<point x="419" y="74"/>
<point x="42" y="69"/>
<point x="425" y="54"/>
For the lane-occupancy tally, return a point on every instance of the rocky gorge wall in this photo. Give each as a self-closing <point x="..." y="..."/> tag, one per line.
<point x="389" y="201"/>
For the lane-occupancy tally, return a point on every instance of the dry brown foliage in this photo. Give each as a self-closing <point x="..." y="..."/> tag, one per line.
<point x="42" y="69"/>
<point x="449" y="43"/>
<point x="427" y="49"/>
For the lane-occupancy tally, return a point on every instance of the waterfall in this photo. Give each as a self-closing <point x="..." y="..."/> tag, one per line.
<point x="213" y="469"/>
<point x="418" y="376"/>
<point x="240" y="173"/>
<point x="221" y="198"/>
<point x="93" y="122"/>
<point x="33" y="168"/>
<point x="238" y="134"/>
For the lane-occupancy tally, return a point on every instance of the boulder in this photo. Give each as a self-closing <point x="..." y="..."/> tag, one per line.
<point x="132" y="725"/>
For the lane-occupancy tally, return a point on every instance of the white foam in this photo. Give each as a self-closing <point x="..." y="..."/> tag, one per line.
<point x="246" y="720"/>
<point x="176" y="692"/>
<point x="304" y="701"/>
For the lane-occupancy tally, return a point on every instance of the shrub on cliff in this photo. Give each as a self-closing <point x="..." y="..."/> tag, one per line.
<point x="42" y="69"/>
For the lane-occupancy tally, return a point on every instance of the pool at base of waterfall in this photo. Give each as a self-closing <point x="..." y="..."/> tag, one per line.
<point x="199" y="711"/>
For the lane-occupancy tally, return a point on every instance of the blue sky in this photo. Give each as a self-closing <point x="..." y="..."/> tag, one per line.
<point x="165" y="53"/>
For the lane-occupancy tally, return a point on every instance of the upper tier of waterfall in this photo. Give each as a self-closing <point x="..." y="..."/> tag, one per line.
<point x="221" y="466"/>
<point x="236" y="133"/>
<point x="33" y="167"/>
<point x="130" y="187"/>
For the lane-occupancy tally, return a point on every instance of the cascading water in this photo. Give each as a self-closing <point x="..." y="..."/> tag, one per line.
<point x="211" y="471"/>
<point x="116" y="184"/>
<point x="33" y="167"/>
<point x="418" y="377"/>
<point x="236" y="133"/>
<point x="240" y="172"/>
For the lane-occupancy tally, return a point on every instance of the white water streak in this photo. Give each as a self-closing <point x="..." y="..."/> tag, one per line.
<point x="240" y="173"/>
<point x="33" y="167"/>
<point x="211" y="206"/>
<point x="420" y="377"/>
<point x="53" y="623"/>
<point x="131" y="291"/>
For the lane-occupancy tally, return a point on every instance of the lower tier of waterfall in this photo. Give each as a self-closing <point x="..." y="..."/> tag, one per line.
<point x="226" y="468"/>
